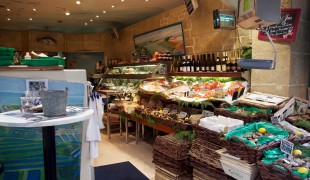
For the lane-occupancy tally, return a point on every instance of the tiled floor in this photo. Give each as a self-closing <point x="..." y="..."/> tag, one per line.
<point x="116" y="150"/>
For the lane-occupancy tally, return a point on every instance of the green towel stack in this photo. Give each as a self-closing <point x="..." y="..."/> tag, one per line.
<point x="6" y="56"/>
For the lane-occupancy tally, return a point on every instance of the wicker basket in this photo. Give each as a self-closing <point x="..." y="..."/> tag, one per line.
<point x="246" y="119"/>
<point x="168" y="145"/>
<point x="209" y="135"/>
<point x="208" y="170"/>
<point x="205" y="152"/>
<point x="178" y="167"/>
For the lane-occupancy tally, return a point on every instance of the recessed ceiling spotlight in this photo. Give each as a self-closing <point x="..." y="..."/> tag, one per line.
<point x="91" y="20"/>
<point x="30" y="19"/>
<point x="8" y="9"/>
<point x="78" y="2"/>
<point x="9" y="19"/>
<point x="122" y="0"/>
<point x="146" y="0"/>
<point x="104" y="12"/>
<point x="67" y="13"/>
<point x="85" y="24"/>
<point x="112" y="6"/>
<point x="97" y="16"/>
<point x="34" y="9"/>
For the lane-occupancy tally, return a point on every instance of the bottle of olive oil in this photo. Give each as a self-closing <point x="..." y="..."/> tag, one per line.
<point x="228" y="64"/>
<point x="218" y="67"/>
<point x="188" y="63"/>
<point x="223" y="63"/>
<point x="208" y="63"/>
<point x="193" y="64"/>
<point x="212" y="64"/>
<point x="198" y="63"/>
<point x="233" y="66"/>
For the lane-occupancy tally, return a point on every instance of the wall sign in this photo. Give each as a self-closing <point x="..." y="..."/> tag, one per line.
<point x="286" y="29"/>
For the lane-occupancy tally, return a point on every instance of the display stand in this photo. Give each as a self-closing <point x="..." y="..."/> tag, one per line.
<point x="16" y="119"/>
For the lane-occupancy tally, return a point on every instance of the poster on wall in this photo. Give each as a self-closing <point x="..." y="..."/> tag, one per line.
<point x="169" y="38"/>
<point x="286" y="29"/>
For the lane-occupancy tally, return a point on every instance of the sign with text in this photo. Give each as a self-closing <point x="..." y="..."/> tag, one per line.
<point x="286" y="146"/>
<point x="286" y="29"/>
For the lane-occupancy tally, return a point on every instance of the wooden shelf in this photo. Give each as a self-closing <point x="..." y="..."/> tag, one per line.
<point x="30" y="68"/>
<point x="208" y="74"/>
<point x="139" y="64"/>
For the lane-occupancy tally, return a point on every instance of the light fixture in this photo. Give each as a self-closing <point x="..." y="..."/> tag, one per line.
<point x="97" y="16"/>
<point x="78" y="2"/>
<point x="146" y="0"/>
<point x="104" y="12"/>
<point x="112" y="6"/>
<point x="8" y="9"/>
<point x="30" y="19"/>
<point x="67" y="13"/>
<point x="85" y="24"/>
<point x="34" y="9"/>
<point x="122" y="0"/>
<point x="91" y="20"/>
<point x="9" y="19"/>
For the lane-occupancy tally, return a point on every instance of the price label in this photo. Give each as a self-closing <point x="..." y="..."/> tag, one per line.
<point x="206" y="113"/>
<point x="165" y="110"/>
<point x="174" y="111"/>
<point x="286" y="146"/>
<point x="274" y="119"/>
<point x="182" y="115"/>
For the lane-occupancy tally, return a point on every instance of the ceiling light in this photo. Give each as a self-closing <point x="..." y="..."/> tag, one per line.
<point x="30" y="19"/>
<point x="34" y="9"/>
<point x="122" y="0"/>
<point x="85" y="24"/>
<point x="146" y="0"/>
<point x="104" y="11"/>
<point x="67" y="13"/>
<point x="78" y="2"/>
<point x="113" y="6"/>
<point x="91" y="20"/>
<point x="8" y="9"/>
<point x="97" y="16"/>
<point x="9" y="19"/>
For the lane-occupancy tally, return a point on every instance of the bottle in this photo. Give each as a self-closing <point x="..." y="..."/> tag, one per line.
<point x="209" y="62"/>
<point x="184" y="64"/>
<point x="193" y="64"/>
<point x="228" y="62"/>
<point x="180" y="64"/>
<point x="27" y="56"/>
<point x="239" y="69"/>
<point x="218" y="63"/>
<point x="223" y="63"/>
<point x="188" y="63"/>
<point x="212" y="64"/>
<point x="233" y="65"/>
<point x="203" y="62"/>
<point x="198" y="64"/>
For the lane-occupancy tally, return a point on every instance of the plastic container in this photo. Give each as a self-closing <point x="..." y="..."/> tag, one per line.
<point x="39" y="62"/>
<point x="54" y="102"/>
<point x="220" y="123"/>
<point x="27" y="56"/>
<point x="239" y="172"/>
<point x="6" y="62"/>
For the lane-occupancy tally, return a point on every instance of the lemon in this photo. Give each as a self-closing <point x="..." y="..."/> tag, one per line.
<point x="262" y="130"/>
<point x="303" y="170"/>
<point x="186" y="118"/>
<point x="297" y="152"/>
<point x="298" y="133"/>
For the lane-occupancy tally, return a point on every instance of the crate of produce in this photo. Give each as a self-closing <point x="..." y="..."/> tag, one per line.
<point x="274" y="164"/>
<point x="208" y="171"/>
<point x="212" y="128"/>
<point x="248" y="142"/>
<point x="205" y="152"/>
<point x="43" y="62"/>
<point x="263" y="100"/>
<point x="172" y="147"/>
<point x="247" y="114"/>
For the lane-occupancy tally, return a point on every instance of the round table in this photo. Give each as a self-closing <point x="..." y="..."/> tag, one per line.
<point x="73" y="115"/>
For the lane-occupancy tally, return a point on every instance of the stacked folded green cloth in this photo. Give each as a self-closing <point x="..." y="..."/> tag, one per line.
<point x="6" y="56"/>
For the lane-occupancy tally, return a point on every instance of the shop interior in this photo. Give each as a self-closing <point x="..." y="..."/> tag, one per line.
<point x="155" y="89"/>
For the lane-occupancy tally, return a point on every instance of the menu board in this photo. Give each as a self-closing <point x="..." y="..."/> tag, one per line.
<point x="286" y="29"/>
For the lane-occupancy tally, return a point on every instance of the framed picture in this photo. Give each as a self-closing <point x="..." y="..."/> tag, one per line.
<point x="286" y="29"/>
<point x="169" y="38"/>
<point x="36" y="84"/>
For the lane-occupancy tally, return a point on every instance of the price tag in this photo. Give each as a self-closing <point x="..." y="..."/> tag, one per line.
<point x="174" y="111"/>
<point x="165" y="110"/>
<point x="182" y="115"/>
<point x="286" y="146"/>
<point x="274" y="119"/>
<point x="206" y="113"/>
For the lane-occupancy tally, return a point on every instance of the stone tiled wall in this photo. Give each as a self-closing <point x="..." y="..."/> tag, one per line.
<point x="199" y="34"/>
<point x="291" y="75"/>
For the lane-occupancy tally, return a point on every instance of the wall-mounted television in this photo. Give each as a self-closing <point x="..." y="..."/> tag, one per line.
<point x="191" y="6"/>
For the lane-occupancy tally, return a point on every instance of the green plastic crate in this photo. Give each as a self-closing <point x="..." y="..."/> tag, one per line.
<point x="5" y="49"/>
<point x="60" y="60"/>
<point x="39" y="62"/>
<point x="6" y="62"/>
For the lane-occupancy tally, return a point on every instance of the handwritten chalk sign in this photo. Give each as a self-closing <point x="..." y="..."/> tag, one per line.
<point x="286" y="29"/>
<point x="286" y="146"/>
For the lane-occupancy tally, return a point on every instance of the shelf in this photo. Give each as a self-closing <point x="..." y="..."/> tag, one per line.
<point x="30" y="68"/>
<point x="139" y="64"/>
<point x="128" y="76"/>
<point x="208" y="74"/>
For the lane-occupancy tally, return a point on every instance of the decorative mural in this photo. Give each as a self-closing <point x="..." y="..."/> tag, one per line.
<point x="21" y="149"/>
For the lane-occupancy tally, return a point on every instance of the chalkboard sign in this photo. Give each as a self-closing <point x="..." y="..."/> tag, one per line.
<point x="286" y="146"/>
<point x="285" y="30"/>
